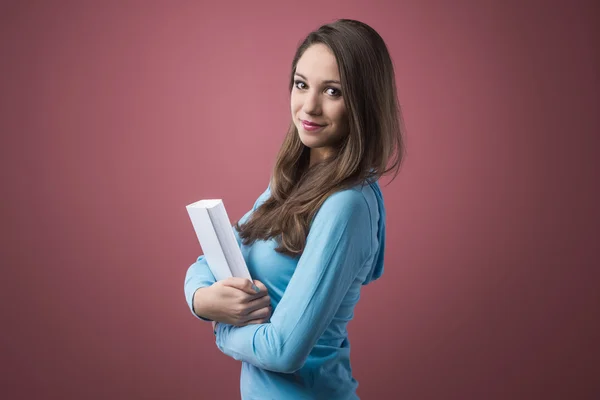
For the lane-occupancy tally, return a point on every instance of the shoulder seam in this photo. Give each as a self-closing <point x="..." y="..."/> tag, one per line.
<point x="372" y="249"/>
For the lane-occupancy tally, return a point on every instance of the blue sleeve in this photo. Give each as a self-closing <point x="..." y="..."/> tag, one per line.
<point x="337" y="247"/>
<point x="198" y="274"/>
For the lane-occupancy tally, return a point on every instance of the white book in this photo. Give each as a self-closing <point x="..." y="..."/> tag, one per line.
<point x="215" y="234"/>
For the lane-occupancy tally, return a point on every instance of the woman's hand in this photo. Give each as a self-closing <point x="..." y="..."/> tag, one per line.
<point x="234" y="301"/>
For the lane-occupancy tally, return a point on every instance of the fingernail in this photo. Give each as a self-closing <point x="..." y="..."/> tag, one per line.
<point x="256" y="289"/>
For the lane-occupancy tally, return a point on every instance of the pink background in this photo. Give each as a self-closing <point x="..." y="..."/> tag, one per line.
<point x="115" y="115"/>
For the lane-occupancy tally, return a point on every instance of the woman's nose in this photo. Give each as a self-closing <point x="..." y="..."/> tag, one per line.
<point x="312" y="104"/>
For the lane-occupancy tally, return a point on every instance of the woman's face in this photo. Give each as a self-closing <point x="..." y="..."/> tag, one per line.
<point x="317" y="102"/>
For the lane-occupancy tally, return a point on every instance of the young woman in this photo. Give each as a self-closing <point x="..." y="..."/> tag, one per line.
<point x="317" y="233"/>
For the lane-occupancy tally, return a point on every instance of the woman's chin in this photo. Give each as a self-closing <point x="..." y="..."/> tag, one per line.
<point x="312" y="144"/>
<point x="309" y="140"/>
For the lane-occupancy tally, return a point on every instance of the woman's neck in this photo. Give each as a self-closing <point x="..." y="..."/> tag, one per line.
<point x="318" y="155"/>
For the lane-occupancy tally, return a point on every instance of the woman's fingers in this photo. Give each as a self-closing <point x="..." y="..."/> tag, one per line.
<point x="260" y="285"/>
<point x="245" y="285"/>
<point x="257" y="304"/>
<point x="259" y="316"/>
<point x="251" y="290"/>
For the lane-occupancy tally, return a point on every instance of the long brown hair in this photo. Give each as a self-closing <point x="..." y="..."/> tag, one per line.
<point x="373" y="147"/>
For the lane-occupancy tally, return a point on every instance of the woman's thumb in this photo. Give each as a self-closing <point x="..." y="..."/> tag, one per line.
<point x="243" y="284"/>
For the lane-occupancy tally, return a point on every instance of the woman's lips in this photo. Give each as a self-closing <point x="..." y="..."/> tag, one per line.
<point x="311" y="126"/>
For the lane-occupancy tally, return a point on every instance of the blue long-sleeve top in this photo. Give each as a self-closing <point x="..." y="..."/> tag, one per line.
<point x="303" y="352"/>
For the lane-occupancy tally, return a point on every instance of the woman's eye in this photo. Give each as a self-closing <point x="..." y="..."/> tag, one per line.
<point x="333" y="92"/>
<point x="299" y="84"/>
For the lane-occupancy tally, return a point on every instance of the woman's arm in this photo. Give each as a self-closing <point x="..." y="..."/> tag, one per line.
<point x="236" y="301"/>
<point x="203" y="302"/>
<point x="338" y="246"/>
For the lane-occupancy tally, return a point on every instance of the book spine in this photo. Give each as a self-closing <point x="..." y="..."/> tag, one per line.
<point x="224" y="231"/>
<point x="209" y="241"/>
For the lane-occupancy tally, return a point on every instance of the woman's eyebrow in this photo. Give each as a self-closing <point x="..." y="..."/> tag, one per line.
<point x="327" y="81"/>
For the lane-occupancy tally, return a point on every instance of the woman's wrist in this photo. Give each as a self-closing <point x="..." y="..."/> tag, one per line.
<point x="200" y="302"/>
